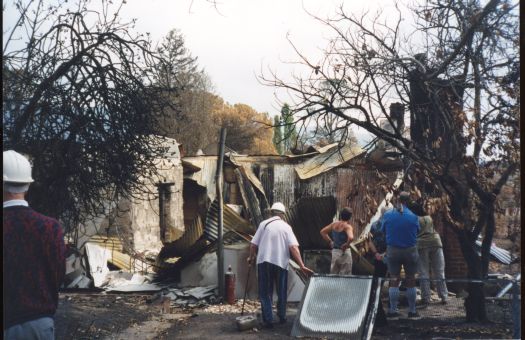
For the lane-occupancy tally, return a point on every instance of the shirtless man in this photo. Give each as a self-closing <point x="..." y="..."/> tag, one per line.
<point x="339" y="235"/>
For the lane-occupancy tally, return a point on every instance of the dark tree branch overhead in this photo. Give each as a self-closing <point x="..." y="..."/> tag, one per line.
<point x="80" y="98"/>
<point x="457" y="74"/>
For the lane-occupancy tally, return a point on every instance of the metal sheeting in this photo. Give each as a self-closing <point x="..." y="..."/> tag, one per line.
<point x="191" y="234"/>
<point x="251" y="202"/>
<point x="361" y="191"/>
<point x="327" y="160"/>
<point x="335" y="306"/>
<point x="496" y="253"/>
<point x="232" y="222"/>
<point x="283" y="184"/>
<point x="377" y="215"/>
<point x="206" y="176"/>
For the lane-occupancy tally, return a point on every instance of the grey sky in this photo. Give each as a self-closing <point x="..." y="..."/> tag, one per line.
<point x="238" y="40"/>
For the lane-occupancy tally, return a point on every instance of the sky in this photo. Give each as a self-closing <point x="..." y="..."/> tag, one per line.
<point x="238" y="41"/>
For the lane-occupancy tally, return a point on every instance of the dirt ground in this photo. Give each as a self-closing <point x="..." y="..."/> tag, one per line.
<point x="110" y="316"/>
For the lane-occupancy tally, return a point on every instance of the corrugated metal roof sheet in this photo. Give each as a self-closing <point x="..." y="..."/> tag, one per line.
<point x="249" y="197"/>
<point x="247" y="171"/>
<point x="497" y="254"/>
<point x="117" y="257"/>
<point x="283" y="186"/>
<point x="328" y="160"/>
<point x="231" y="220"/>
<point x="191" y="234"/>
<point x="336" y="307"/>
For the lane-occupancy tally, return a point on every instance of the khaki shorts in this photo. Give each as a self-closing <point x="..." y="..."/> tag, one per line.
<point x="341" y="262"/>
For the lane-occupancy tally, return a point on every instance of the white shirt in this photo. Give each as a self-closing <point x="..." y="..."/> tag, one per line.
<point x="13" y="203"/>
<point x="273" y="239"/>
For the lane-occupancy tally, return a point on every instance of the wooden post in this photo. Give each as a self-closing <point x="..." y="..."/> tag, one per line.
<point x="220" y="245"/>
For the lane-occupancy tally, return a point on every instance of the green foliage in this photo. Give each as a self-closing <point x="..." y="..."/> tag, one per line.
<point x="290" y="132"/>
<point x="277" y="134"/>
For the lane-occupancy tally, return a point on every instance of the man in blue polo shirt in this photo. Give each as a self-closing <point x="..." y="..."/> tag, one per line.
<point x="401" y="227"/>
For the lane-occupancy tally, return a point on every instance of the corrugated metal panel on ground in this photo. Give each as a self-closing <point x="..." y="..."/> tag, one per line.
<point x="497" y="254"/>
<point x="118" y="258"/>
<point x="336" y="307"/>
<point x="327" y="160"/>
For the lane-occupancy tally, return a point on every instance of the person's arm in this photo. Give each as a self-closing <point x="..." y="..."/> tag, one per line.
<point x="253" y="254"/>
<point x="296" y="255"/>
<point x="350" y="237"/>
<point x="324" y="234"/>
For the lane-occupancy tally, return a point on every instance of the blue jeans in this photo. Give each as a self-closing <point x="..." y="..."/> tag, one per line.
<point x="269" y="275"/>
<point x="39" y="329"/>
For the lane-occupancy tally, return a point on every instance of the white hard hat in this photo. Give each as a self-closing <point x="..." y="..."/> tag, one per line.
<point x="278" y="206"/>
<point x="16" y="168"/>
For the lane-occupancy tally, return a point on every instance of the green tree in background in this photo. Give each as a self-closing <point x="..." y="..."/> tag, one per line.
<point x="290" y="132"/>
<point x="277" y="134"/>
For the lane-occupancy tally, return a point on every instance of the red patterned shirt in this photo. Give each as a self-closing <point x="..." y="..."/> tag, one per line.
<point x="34" y="264"/>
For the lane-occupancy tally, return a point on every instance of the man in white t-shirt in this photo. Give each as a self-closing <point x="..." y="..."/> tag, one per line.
<point x="273" y="242"/>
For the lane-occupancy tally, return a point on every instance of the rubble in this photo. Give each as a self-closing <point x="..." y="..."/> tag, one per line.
<point x="189" y="297"/>
<point x="250" y="306"/>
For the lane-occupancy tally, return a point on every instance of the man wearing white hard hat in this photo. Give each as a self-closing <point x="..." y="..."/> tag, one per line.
<point x="273" y="243"/>
<point x="34" y="261"/>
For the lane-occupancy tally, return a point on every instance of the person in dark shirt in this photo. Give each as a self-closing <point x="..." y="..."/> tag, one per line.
<point x="34" y="258"/>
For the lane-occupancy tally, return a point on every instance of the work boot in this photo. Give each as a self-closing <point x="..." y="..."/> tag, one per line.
<point x="414" y="316"/>
<point x="392" y="315"/>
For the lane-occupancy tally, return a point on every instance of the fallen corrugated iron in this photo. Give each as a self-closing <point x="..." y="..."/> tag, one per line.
<point x="170" y="271"/>
<point x="328" y="160"/>
<point x="247" y="171"/>
<point x="232" y="222"/>
<point x="249" y="197"/>
<point x="191" y="234"/>
<point x="337" y="307"/>
<point x="498" y="254"/>
<point x="118" y="258"/>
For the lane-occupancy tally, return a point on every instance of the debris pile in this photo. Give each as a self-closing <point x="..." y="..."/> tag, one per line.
<point x="191" y="297"/>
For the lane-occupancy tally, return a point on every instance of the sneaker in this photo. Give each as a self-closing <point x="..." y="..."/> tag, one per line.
<point x="282" y="320"/>
<point x="392" y="315"/>
<point x="414" y="316"/>
<point x="444" y="302"/>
